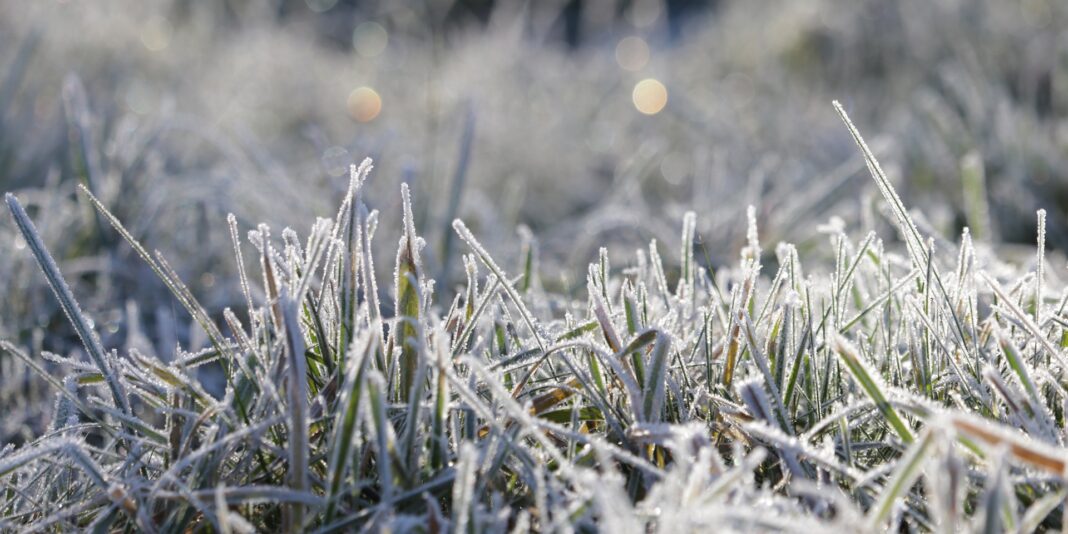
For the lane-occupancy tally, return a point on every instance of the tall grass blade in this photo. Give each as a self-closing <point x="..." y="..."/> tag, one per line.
<point x="66" y="300"/>
<point x="408" y="279"/>
<point x="297" y="397"/>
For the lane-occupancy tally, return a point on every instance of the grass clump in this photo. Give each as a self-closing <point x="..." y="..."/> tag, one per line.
<point x="887" y="391"/>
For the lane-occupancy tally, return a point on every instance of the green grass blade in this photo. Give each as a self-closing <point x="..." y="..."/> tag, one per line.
<point x="871" y="385"/>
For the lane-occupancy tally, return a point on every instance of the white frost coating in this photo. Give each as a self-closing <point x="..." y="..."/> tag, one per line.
<point x="409" y="246"/>
<point x="463" y="488"/>
<point x="658" y="271"/>
<point x="67" y="301"/>
<point x="913" y="239"/>
<point x="240" y="259"/>
<point x="578" y="456"/>
<point x="345" y="218"/>
<point x="834" y="226"/>
<point x="471" y="270"/>
<point x="1026" y="320"/>
<point x="1040" y="262"/>
<point x="792" y="299"/>
<point x="686" y="281"/>
<point x="291" y="240"/>
<point x="484" y="256"/>
<point x="752" y="248"/>
<point x="27" y="455"/>
<point x="409" y="224"/>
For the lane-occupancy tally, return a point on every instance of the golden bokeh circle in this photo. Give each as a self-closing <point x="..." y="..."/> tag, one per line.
<point x="364" y="104"/>
<point x="650" y="96"/>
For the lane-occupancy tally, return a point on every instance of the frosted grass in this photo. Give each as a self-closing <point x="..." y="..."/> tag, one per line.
<point x="869" y="391"/>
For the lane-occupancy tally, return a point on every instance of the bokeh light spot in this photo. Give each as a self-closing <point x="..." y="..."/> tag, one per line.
<point x="370" y="39"/>
<point x="320" y="6"/>
<point x="139" y="97"/>
<point x="644" y="13"/>
<point x="156" y="34"/>
<point x="336" y="161"/>
<point x="650" y="96"/>
<point x="364" y="104"/>
<point x="632" y="53"/>
<point x="675" y="167"/>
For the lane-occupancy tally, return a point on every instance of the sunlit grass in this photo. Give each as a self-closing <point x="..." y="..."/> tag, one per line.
<point x="722" y="403"/>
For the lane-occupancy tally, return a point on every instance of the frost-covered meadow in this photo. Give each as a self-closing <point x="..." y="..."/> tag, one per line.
<point x="447" y="265"/>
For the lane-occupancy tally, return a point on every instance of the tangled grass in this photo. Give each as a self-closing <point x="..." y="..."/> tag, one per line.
<point x="915" y="390"/>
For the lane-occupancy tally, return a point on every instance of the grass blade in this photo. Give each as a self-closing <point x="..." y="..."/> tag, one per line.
<point x="871" y="385"/>
<point x="66" y="300"/>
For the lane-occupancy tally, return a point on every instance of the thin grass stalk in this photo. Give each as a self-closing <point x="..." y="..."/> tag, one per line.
<point x="67" y="301"/>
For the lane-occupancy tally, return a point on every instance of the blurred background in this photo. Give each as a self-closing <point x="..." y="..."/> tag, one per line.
<point x="592" y="122"/>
